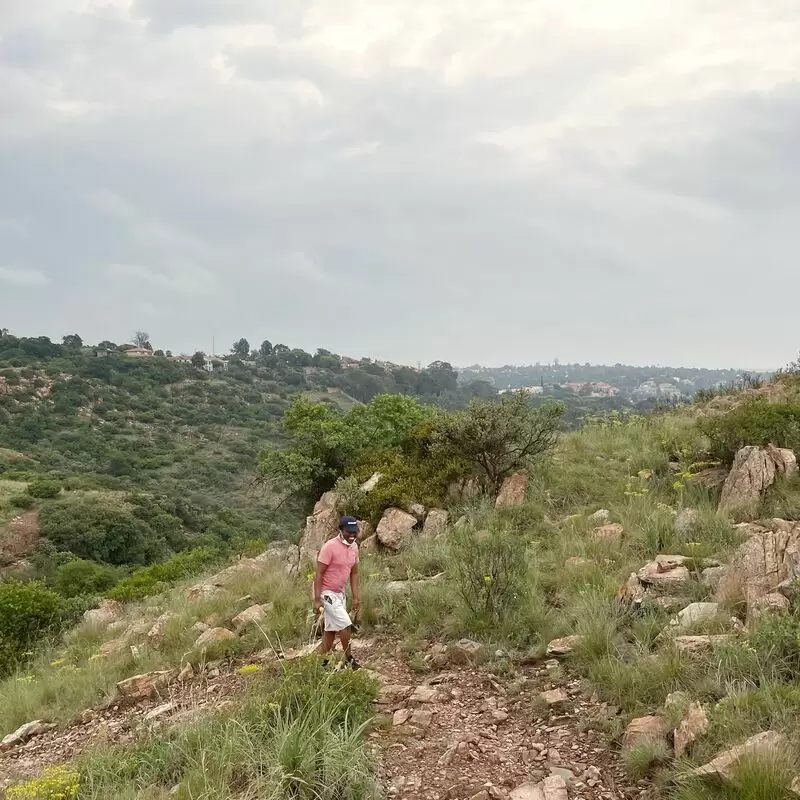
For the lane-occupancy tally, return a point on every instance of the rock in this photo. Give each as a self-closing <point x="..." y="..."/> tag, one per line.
<point x="702" y="644"/>
<point x="186" y="674"/>
<point x="400" y="717"/>
<point x="499" y="716"/>
<point x="254" y="615"/>
<point x="156" y="634"/>
<point x="553" y="787"/>
<point x="200" y="627"/>
<point x="402" y="588"/>
<point x="466" y="651"/>
<point x="421" y="718"/>
<point x="417" y="510"/>
<point x="763" y="562"/>
<point x="694" y="614"/>
<point x="143" y="687"/>
<point x="656" y="574"/>
<point x="554" y="697"/>
<point x="754" y="470"/>
<point x="371" y="482"/>
<point x="321" y="525"/>
<point x="109" y="611"/>
<point x="113" y="647"/>
<point x="213" y="636"/>
<point x="424" y="694"/>
<point x="693" y="725"/>
<point x="25" y="732"/>
<point x="563" y="647"/>
<point x="435" y="523"/>
<point x="159" y="711"/>
<point x="395" y="528"/>
<point x="609" y="534"/>
<point x="668" y="602"/>
<point x="578" y="562"/>
<point x="202" y="591"/>
<point x="512" y="492"/>
<point x="600" y="517"/>
<point x="762" y="745"/>
<point x="365" y="531"/>
<point x="772" y="603"/>
<point x="632" y="592"/>
<point x="650" y="729"/>
<point x="711" y="576"/>
<point x="284" y="554"/>
<point x="685" y="521"/>
<point x="461" y="522"/>
<point x="369" y="545"/>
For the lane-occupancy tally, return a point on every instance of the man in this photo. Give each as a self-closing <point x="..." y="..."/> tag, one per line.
<point x="336" y="564"/>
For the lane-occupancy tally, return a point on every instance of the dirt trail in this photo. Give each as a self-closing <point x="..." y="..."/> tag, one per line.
<point x="455" y="734"/>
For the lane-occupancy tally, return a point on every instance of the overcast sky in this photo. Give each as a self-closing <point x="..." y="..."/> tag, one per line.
<point x="494" y="181"/>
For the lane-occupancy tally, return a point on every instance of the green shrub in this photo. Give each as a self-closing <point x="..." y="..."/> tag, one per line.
<point x="44" y="489"/>
<point x="28" y="613"/>
<point x="756" y="422"/>
<point x="489" y="569"/>
<point x="157" y="577"/>
<point x="81" y="577"/>
<point x="22" y="501"/>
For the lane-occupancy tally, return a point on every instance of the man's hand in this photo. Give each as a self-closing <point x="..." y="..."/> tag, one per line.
<point x="356" y="607"/>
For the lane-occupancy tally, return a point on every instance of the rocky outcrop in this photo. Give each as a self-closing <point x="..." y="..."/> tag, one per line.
<point x="754" y="470"/>
<point x="395" y="528"/>
<point x="254" y="615"/>
<point x="702" y="644"/>
<point x="693" y="614"/>
<point x="157" y="633"/>
<point x="435" y="523"/>
<point x="214" y="636"/>
<point x="609" y="534"/>
<point x="108" y="611"/>
<point x="665" y="572"/>
<point x="467" y="651"/>
<point x="143" y="687"/>
<point x="553" y="787"/>
<point x="512" y="492"/>
<point x="769" y="557"/>
<point x="685" y="521"/>
<point x="321" y="525"/>
<point x="564" y="646"/>
<point x="763" y="745"/>
<point x="691" y="727"/>
<point x="371" y="482"/>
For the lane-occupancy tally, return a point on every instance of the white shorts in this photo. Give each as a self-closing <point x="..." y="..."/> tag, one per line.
<point x="336" y="616"/>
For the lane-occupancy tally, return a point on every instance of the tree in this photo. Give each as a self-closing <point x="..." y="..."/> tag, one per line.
<point x="241" y="349"/>
<point x="73" y="341"/>
<point x="199" y="360"/>
<point x="266" y="348"/>
<point x="498" y="437"/>
<point x="106" y="345"/>
<point x="142" y="339"/>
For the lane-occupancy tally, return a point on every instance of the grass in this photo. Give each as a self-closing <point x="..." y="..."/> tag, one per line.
<point x="640" y="759"/>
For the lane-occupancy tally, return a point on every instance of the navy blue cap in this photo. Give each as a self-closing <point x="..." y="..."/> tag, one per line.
<point x="349" y="524"/>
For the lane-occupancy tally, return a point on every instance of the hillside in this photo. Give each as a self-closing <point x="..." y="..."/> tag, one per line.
<point x="611" y="632"/>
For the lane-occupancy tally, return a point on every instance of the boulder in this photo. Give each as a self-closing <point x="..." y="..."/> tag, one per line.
<point x="395" y="528"/>
<point x="254" y="615"/>
<point x="770" y="556"/>
<point x="159" y="711"/>
<point x="109" y="611"/>
<point x="600" y="517"/>
<point x="763" y="745"/>
<point x="201" y="591"/>
<point x="691" y="727"/>
<point x="371" y="482"/>
<point x="435" y="523"/>
<point x="512" y="492"/>
<point x="754" y="470"/>
<point x="711" y="576"/>
<point x="283" y="554"/>
<point x="424" y="694"/>
<point x="25" y="732"/>
<point x="467" y="651"/>
<point x="660" y="575"/>
<point x="632" y="591"/>
<point x="564" y="646"/>
<point x="213" y="636"/>
<point x="685" y="521"/>
<point x="554" y="698"/>
<point x="369" y="545"/>
<point x="143" y="687"/>
<point x="772" y="603"/>
<point x="652" y="729"/>
<point x="321" y="525"/>
<point x="417" y="510"/>
<point x="156" y="634"/>
<point x="693" y="614"/>
<point x="609" y="534"/>
<point x="365" y="530"/>
<point x="553" y="787"/>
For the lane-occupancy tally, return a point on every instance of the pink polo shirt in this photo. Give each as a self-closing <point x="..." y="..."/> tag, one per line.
<point x="339" y="560"/>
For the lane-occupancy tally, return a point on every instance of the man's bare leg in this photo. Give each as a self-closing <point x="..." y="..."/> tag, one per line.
<point x="344" y="636"/>
<point x="328" y="639"/>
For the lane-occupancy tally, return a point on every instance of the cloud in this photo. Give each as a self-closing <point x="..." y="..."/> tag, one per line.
<point x="23" y="277"/>
<point x="510" y="180"/>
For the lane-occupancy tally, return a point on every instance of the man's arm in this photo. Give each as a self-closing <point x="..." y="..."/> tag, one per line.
<point x="354" y="587"/>
<point x="318" y="585"/>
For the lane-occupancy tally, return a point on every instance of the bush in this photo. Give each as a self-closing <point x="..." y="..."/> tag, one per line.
<point x="157" y="577"/>
<point x="55" y="783"/>
<point x="489" y="570"/>
<point x="28" y="613"/>
<point x="22" y="501"/>
<point x="44" y="489"/>
<point x="756" y="422"/>
<point x="81" y="577"/>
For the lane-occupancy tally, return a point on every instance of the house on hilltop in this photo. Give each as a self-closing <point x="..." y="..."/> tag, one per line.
<point x="139" y="352"/>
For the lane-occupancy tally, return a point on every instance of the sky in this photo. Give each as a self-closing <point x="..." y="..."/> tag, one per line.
<point x="499" y="181"/>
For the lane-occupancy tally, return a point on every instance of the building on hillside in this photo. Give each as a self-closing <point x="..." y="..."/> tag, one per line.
<point x="182" y="359"/>
<point x="139" y="352"/>
<point x="214" y="363"/>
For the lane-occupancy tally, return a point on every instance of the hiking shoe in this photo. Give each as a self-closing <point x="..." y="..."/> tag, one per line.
<point x="352" y="663"/>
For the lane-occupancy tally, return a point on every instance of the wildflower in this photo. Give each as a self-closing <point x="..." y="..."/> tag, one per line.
<point x="59" y="662"/>
<point x="487" y="578"/>
<point x="250" y="669"/>
<point x="26" y="679"/>
<point x="55" y="783"/>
